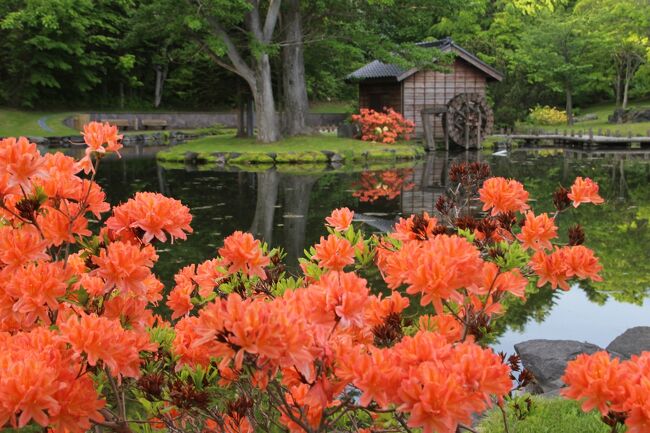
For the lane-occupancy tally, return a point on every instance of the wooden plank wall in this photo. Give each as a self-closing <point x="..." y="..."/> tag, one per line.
<point x="390" y="95"/>
<point x="426" y="88"/>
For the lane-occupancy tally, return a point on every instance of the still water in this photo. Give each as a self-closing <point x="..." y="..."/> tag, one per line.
<point x="288" y="209"/>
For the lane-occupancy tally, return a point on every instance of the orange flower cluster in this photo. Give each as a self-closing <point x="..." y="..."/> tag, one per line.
<point x="101" y="138"/>
<point x="584" y="191"/>
<point x="387" y="184"/>
<point x="612" y="387"/>
<point x="563" y="263"/>
<point x="243" y="253"/>
<point x="154" y="215"/>
<point x="340" y="219"/>
<point x="503" y="195"/>
<point x="439" y="384"/>
<point x="334" y="253"/>
<point x="40" y="381"/>
<point x="386" y="127"/>
<point x="537" y="232"/>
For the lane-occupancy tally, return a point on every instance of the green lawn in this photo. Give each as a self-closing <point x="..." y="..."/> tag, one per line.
<point x="304" y="149"/>
<point x="17" y="123"/>
<point x="554" y="415"/>
<point x="602" y="111"/>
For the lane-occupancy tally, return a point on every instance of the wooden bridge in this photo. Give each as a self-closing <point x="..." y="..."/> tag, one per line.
<point x="585" y="138"/>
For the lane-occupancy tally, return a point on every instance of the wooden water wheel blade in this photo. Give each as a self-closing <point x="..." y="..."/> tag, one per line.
<point x="470" y="119"/>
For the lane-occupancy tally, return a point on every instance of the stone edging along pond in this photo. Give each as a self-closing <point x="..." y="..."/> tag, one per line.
<point x="307" y="157"/>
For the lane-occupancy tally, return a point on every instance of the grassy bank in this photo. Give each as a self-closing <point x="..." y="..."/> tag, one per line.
<point x="305" y="149"/>
<point x="554" y="415"/>
<point x="15" y="123"/>
<point x="602" y="111"/>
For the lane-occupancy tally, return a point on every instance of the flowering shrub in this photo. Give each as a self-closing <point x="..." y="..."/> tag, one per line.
<point x="547" y="115"/>
<point x="386" y="127"/>
<point x="249" y="347"/>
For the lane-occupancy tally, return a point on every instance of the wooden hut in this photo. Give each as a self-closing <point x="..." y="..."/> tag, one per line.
<point x="414" y="90"/>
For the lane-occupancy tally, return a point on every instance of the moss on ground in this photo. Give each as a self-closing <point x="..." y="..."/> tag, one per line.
<point x="316" y="149"/>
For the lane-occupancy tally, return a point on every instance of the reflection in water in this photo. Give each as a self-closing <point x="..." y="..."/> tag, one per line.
<point x="288" y="210"/>
<point x="386" y="184"/>
<point x="267" y="196"/>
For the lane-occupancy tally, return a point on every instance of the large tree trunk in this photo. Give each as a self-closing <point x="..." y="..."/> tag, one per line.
<point x="161" y="76"/>
<point x="257" y="73"/>
<point x="296" y="104"/>
<point x="569" y="106"/>
<point x="267" y="122"/>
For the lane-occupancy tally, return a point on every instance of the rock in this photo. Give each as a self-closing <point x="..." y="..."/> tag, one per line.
<point x="42" y="141"/>
<point x="336" y="158"/>
<point x="219" y="158"/>
<point x="348" y="130"/>
<point x="586" y="117"/>
<point x="631" y="342"/>
<point x="547" y="359"/>
<point x="328" y="153"/>
<point x="619" y="116"/>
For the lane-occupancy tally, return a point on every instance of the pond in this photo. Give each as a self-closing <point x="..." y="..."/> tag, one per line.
<point x="288" y="209"/>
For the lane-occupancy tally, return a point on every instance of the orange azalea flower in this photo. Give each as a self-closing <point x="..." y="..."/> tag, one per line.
<point x="346" y="295"/>
<point x="36" y="288"/>
<point x="18" y="246"/>
<point x="581" y="262"/>
<point x="503" y="195"/>
<point x="550" y="268"/>
<point x="440" y="267"/>
<point x="334" y="253"/>
<point x="125" y="266"/>
<point x="101" y="339"/>
<point x="41" y="382"/>
<point x="154" y="214"/>
<point x="340" y="219"/>
<point x="445" y="325"/>
<point x="537" y="232"/>
<point x="244" y="253"/>
<point x="59" y="228"/>
<point x="97" y="134"/>
<point x="22" y="161"/>
<point x="584" y="191"/>
<point x="597" y="380"/>
<point x="180" y="298"/>
<point x="208" y="275"/>
<point x="379" y="309"/>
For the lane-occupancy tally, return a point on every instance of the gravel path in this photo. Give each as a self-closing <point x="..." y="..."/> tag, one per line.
<point x="43" y="125"/>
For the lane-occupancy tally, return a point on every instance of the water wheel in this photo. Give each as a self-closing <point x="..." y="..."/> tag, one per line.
<point x="469" y="120"/>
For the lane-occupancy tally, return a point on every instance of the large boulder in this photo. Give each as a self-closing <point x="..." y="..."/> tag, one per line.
<point x="631" y="342"/>
<point x="547" y="360"/>
<point x="640" y="116"/>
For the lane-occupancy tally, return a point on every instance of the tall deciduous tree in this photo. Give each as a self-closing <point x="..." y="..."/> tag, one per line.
<point x="555" y="52"/>
<point x="239" y="36"/>
<point x="623" y="29"/>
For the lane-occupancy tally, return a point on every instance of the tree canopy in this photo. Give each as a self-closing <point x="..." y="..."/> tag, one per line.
<point x="196" y="53"/>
